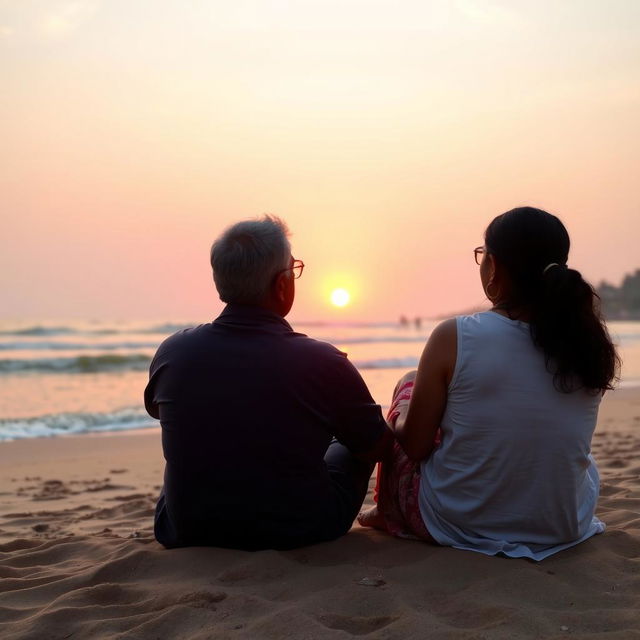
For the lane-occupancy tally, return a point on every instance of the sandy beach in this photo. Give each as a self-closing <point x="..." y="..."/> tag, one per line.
<point x="78" y="560"/>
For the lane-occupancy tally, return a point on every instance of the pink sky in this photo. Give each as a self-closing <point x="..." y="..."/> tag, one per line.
<point x="386" y="134"/>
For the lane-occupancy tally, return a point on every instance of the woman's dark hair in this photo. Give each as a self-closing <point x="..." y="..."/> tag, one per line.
<point x="563" y="309"/>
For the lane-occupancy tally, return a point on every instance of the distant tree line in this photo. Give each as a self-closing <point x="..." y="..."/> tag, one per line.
<point x="623" y="302"/>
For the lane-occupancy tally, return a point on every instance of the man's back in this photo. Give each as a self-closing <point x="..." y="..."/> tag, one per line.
<point x="248" y="408"/>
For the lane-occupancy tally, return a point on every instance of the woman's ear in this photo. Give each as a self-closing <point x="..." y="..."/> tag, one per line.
<point x="491" y="266"/>
<point x="490" y="274"/>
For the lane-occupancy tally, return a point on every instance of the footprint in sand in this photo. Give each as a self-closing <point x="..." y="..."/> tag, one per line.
<point x="133" y="496"/>
<point x="52" y="490"/>
<point x="107" y="486"/>
<point x="617" y="463"/>
<point x="355" y="625"/>
<point x="464" y="616"/>
<point x="202" y="599"/>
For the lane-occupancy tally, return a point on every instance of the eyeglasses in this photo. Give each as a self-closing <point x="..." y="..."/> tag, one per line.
<point x="478" y="252"/>
<point x="297" y="268"/>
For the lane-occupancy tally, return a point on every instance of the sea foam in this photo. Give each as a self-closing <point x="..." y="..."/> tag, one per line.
<point x="73" y="423"/>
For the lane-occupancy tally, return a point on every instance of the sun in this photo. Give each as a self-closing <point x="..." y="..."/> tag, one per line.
<point x="340" y="297"/>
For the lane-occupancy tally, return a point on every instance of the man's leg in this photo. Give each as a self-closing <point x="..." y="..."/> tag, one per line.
<point x="350" y="481"/>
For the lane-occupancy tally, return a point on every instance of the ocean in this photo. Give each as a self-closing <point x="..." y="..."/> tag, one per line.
<point x="61" y="378"/>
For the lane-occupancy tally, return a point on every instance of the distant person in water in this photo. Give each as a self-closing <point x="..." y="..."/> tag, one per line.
<point x="494" y="431"/>
<point x="269" y="437"/>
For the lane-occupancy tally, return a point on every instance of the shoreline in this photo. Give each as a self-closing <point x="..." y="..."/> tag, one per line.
<point x="625" y="392"/>
<point x="620" y="407"/>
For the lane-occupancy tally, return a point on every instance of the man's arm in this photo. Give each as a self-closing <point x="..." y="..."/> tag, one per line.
<point x="380" y="449"/>
<point x="357" y="420"/>
<point x="150" y="403"/>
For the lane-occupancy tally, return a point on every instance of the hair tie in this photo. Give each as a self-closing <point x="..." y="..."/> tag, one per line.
<point x="551" y="264"/>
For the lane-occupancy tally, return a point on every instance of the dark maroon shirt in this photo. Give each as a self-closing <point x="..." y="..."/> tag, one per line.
<point x="248" y="408"/>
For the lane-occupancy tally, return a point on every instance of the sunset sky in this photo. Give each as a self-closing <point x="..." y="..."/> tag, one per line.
<point x="387" y="135"/>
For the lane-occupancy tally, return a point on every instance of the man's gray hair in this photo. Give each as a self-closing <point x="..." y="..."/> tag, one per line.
<point x="246" y="258"/>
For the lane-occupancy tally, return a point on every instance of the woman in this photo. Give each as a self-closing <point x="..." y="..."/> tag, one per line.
<point x="503" y="407"/>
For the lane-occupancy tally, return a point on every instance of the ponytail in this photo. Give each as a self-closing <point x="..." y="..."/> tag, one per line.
<point x="566" y="324"/>
<point x="564" y="310"/>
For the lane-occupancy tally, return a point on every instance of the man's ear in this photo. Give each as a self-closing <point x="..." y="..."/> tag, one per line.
<point x="280" y="287"/>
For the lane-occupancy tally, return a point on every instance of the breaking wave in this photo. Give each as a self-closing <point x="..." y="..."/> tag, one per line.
<point x="78" y="364"/>
<point x="72" y="423"/>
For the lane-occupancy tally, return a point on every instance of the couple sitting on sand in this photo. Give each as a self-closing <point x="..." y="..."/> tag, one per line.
<point x="270" y="437"/>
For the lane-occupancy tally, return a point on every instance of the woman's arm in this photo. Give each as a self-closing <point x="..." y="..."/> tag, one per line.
<point x="416" y="426"/>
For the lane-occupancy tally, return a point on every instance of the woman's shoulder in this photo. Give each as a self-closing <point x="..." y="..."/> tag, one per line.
<point x="445" y="333"/>
<point x="446" y="327"/>
<point x="492" y="322"/>
<point x="441" y="350"/>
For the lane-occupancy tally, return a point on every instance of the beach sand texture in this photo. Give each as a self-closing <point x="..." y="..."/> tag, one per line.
<point x="78" y="560"/>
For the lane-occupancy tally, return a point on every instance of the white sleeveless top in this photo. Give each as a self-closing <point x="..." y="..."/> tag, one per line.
<point x="514" y="473"/>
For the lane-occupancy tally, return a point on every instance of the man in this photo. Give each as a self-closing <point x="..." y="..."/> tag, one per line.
<point x="249" y="409"/>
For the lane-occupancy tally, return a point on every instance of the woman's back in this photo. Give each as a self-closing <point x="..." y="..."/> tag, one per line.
<point x="513" y="473"/>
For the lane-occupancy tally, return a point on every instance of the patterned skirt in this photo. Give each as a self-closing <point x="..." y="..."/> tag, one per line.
<point x="398" y="484"/>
